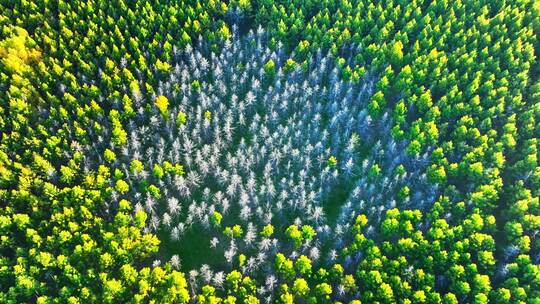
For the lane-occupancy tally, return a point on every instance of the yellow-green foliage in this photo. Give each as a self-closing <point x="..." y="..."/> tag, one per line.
<point x="162" y="103"/>
<point x="18" y="50"/>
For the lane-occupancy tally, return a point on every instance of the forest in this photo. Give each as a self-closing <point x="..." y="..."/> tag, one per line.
<point x="269" y="151"/>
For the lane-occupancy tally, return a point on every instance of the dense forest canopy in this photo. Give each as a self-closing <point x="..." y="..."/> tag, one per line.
<point x="260" y="151"/>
